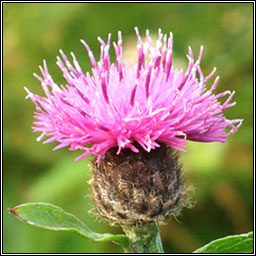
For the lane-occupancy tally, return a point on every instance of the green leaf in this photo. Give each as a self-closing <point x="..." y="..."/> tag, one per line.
<point x="242" y="243"/>
<point x="48" y="216"/>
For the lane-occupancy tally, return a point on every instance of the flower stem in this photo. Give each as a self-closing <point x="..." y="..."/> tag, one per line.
<point x="144" y="239"/>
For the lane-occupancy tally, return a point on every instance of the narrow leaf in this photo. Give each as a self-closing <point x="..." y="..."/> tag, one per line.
<point x="242" y="243"/>
<point x="48" y="216"/>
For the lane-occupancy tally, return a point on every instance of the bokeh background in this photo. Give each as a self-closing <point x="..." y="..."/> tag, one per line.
<point x="222" y="174"/>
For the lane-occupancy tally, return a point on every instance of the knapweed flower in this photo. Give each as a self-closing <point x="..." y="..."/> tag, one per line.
<point x="133" y="117"/>
<point x="120" y="105"/>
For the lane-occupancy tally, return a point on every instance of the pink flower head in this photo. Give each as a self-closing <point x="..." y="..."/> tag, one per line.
<point x="119" y="103"/>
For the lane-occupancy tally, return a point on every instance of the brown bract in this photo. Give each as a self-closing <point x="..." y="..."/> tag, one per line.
<point x="137" y="188"/>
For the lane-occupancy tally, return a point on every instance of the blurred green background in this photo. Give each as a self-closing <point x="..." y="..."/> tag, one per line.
<point x="222" y="174"/>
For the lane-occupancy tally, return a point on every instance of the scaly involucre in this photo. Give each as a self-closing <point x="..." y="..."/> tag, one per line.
<point x="119" y="103"/>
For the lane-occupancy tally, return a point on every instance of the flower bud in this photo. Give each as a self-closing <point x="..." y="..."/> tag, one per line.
<point x="137" y="188"/>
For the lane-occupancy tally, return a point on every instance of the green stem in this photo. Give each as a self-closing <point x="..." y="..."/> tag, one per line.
<point x="144" y="239"/>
